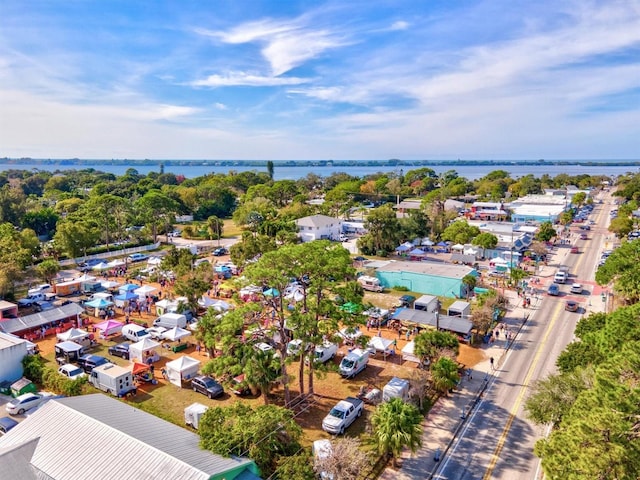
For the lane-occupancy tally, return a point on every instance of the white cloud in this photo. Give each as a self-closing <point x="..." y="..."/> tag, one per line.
<point x="399" y="25"/>
<point x="219" y="106"/>
<point x="247" y="79"/>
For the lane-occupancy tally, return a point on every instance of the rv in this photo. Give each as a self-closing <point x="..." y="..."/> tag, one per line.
<point x="370" y="283"/>
<point x="113" y="379"/>
<point x="354" y="362"/>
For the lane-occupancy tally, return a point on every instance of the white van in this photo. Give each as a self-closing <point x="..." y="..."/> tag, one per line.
<point x="354" y="362"/>
<point x="170" y="320"/>
<point x="134" y="332"/>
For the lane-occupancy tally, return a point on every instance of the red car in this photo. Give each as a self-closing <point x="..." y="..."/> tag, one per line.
<point x="571" y="306"/>
<point x="575" y="250"/>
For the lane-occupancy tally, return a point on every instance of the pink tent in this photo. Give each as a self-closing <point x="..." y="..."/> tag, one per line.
<point x="109" y="327"/>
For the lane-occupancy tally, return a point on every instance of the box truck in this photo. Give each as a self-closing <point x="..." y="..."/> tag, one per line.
<point x="193" y="413"/>
<point x="113" y="379"/>
<point x="354" y="362"/>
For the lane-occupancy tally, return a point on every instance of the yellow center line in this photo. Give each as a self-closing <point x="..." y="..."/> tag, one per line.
<point x="523" y="390"/>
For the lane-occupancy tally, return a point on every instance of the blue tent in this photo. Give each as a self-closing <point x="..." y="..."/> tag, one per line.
<point x="271" y="292"/>
<point x="126" y="296"/>
<point x="128" y="287"/>
<point x="98" y="303"/>
<point x="404" y="247"/>
<point x="417" y="251"/>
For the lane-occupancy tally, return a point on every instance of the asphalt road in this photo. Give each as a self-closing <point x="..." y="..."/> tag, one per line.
<point x="497" y="440"/>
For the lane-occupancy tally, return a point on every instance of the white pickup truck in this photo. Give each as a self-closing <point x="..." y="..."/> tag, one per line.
<point x="342" y="415"/>
<point x="34" y="298"/>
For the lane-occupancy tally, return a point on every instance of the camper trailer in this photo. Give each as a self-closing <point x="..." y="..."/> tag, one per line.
<point x="193" y="413"/>
<point x="354" y="362"/>
<point x="396" y="388"/>
<point x="371" y="284"/>
<point x="113" y="379"/>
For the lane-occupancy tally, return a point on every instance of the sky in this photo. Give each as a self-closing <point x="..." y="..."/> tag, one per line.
<point x="313" y="79"/>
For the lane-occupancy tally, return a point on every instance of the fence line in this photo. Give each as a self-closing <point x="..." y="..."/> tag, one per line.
<point x="114" y="253"/>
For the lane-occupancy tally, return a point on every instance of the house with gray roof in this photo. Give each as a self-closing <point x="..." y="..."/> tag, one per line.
<point x="96" y="437"/>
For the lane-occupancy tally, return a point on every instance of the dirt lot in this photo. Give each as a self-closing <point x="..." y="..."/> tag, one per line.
<point x="169" y="401"/>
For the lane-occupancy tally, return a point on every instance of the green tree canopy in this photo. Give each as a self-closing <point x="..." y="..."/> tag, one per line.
<point x="460" y="232"/>
<point x="396" y="425"/>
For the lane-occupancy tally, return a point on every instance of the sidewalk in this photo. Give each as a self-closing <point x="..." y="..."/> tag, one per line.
<point x="448" y="414"/>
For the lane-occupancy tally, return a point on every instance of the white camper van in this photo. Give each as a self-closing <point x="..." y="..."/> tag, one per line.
<point x="354" y="362"/>
<point x="396" y="388"/>
<point x="193" y="413"/>
<point x="113" y="379"/>
<point x="370" y="283"/>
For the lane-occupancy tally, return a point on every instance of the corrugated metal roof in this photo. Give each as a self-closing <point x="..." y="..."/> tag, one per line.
<point x="96" y="437"/>
<point x="422" y="317"/>
<point x="13" y="325"/>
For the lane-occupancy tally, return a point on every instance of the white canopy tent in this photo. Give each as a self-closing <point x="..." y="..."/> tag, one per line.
<point x="116" y="263"/>
<point x="101" y="266"/>
<point x="85" y="278"/>
<point x="144" y="351"/>
<point x="382" y="345"/>
<point x="144" y="291"/>
<point x="408" y="353"/>
<point x="73" y="335"/>
<point x="109" y="284"/>
<point x="183" y="368"/>
<point x="175" y="334"/>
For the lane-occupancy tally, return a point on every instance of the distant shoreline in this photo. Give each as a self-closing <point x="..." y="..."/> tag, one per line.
<point x="75" y="162"/>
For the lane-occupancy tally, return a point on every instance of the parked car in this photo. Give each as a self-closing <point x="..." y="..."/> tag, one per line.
<point x="571" y="306"/>
<point x="6" y="424"/>
<point x="239" y="386"/>
<point x="25" y="402"/>
<point x="89" y="362"/>
<point x="71" y="371"/>
<point x="137" y="257"/>
<point x="207" y="386"/>
<point x="120" y="350"/>
<point x="218" y="252"/>
<point x="342" y="415"/>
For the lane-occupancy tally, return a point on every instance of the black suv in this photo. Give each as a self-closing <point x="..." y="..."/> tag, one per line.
<point x="121" y="350"/>
<point x="220" y="251"/>
<point x="89" y="362"/>
<point x="207" y="386"/>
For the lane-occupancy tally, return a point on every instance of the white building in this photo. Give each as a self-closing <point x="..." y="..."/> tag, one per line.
<point x="12" y="351"/>
<point x="319" y="227"/>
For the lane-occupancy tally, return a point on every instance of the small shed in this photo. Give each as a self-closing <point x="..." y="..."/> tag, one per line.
<point x="183" y="368"/>
<point x="12" y="351"/>
<point x="459" y="309"/>
<point x="8" y="310"/>
<point x="428" y="303"/>
<point x="22" y="386"/>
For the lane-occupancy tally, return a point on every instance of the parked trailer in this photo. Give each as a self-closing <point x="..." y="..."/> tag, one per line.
<point x="113" y="379"/>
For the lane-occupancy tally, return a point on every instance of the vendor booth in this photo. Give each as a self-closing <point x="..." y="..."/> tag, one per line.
<point x="386" y="346"/>
<point x="144" y="351"/>
<point x="77" y="335"/>
<point x="408" y="354"/>
<point x="109" y="327"/>
<point x="183" y="368"/>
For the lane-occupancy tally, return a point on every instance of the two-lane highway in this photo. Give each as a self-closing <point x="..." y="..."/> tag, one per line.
<point x="497" y="440"/>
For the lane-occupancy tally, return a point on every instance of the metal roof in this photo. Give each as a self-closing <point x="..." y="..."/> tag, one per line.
<point x="94" y="437"/>
<point x="13" y="325"/>
<point x="318" y="221"/>
<point x="422" y="317"/>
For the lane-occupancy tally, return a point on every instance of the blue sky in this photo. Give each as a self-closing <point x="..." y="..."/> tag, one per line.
<point x="296" y="79"/>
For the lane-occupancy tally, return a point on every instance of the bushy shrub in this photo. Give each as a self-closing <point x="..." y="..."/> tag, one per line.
<point x="53" y="381"/>
<point x="33" y="368"/>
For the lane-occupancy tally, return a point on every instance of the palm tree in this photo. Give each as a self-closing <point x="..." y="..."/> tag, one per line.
<point x="214" y="227"/>
<point x="261" y="371"/>
<point x="444" y="373"/>
<point x="396" y="425"/>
